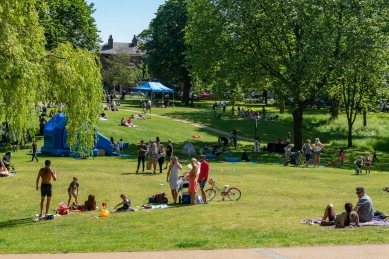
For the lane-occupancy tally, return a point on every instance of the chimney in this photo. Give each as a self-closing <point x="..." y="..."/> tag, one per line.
<point x="110" y="42"/>
<point x="134" y="41"/>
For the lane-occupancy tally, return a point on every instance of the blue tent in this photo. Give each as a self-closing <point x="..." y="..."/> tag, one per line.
<point x="153" y="87"/>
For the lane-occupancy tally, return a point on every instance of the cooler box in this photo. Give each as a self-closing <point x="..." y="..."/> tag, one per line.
<point x="186" y="198"/>
<point x="125" y="144"/>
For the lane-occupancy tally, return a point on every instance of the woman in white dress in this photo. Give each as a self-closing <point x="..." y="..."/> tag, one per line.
<point x="172" y="177"/>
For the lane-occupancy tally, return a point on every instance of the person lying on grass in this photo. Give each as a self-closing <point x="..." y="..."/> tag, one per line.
<point x="347" y="218"/>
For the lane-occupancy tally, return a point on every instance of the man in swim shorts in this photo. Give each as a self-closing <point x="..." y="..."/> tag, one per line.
<point x="46" y="173"/>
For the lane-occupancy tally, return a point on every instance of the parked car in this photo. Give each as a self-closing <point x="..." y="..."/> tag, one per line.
<point x="206" y="96"/>
<point x="137" y="94"/>
<point x="190" y="96"/>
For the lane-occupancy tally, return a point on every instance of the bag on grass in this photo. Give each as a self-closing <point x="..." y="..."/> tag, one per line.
<point x="148" y="164"/>
<point x="63" y="209"/>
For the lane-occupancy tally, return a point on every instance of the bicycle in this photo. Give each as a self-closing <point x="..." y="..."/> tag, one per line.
<point x="233" y="193"/>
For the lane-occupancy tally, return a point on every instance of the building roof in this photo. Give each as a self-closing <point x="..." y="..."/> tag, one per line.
<point x="121" y="48"/>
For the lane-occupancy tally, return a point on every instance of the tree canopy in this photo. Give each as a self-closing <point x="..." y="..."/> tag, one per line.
<point x="68" y="21"/>
<point x="30" y="74"/>
<point x="118" y="72"/>
<point x="294" y="45"/>
<point x="164" y="43"/>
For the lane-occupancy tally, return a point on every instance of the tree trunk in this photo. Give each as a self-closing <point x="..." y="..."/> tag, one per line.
<point x="350" y="137"/>
<point x="335" y="103"/>
<point x="298" y="128"/>
<point x="364" y="119"/>
<point x="185" y="95"/>
<point x="282" y="106"/>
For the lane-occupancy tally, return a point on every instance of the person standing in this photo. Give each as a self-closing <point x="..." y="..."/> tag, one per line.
<point x="234" y="137"/>
<point x="142" y="148"/>
<point x="161" y="157"/>
<point x="224" y="105"/>
<point x="148" y="106"/>
<point x="306" y="149"/>
<point x="375" y="155"/>
<point x="169" y="152"/>
<point x="172" y="177"/>
<point x="192" y="188"/>
<point x="256" y="148"/>
<point x="364" y="207"/>
<point x="46" y="174"/>
<point x="367" y="162"/>
<point x="154" y="155"/>
<point x="317" y="147"/>
<point x="34" y="149"/>
<point x="73" y="190"/>
<point x="203" y="177"/>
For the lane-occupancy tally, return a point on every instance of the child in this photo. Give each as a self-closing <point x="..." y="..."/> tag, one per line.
<point x="358" y="164"/>
<point x="341" y="156"/>
<point x="367" y="162"/>
<point x="245" y="156"/>
<point x="257" y="147"/>
<point x="118" y="147"/>
<point x="121" y="146"/>
<point x="126" y="204"/>
<point x="73" y="190"/>
<point x="375" y="155"/>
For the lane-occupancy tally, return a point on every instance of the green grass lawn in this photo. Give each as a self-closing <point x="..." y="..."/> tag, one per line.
<point x="274" y="198"/>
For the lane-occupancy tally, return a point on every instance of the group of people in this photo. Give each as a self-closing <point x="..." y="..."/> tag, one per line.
<point x="307" y="148"/>
<point x="362" y="212"/>
<point x="117" y="146"/>
<point x="156" y="152"/>
<point x="46" y="174"/>
<point x="146" y="106"/>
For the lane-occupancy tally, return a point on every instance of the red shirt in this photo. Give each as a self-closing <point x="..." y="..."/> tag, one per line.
<point x="204" y="168"/>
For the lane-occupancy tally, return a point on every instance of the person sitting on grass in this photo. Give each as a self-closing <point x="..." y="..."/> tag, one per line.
<point x="126" y="202"/>
<point x="123" y="122"/>
<point x="245" y="156"/>
<point x="347" y="218"/>
<point x="88" y="205"/>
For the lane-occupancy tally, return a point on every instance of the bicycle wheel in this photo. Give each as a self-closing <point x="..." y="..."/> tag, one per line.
<point x="234" y="194"/>
<point x="210" y="193"/>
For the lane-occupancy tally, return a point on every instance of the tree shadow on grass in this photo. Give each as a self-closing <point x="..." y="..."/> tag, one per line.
<point x="16" y="222"/>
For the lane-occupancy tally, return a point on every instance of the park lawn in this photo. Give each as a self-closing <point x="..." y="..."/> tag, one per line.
<point x="274" y="199"/>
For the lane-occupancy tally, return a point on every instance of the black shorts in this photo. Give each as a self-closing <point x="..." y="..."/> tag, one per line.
<point x="307" y="157"/>
<point x="46" y="190"/>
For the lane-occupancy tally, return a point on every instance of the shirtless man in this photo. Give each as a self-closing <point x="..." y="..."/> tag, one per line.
<point x="46" y="173"/>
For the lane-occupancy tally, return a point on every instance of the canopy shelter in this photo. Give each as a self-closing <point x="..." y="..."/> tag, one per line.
<point x="153" y="87"/>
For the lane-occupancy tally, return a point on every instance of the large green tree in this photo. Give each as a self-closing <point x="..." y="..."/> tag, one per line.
<point x="31" y="74"/>
<point x="68" y="21"/>
<point x="297" y="43"/>
<point x="164" y="43"/>
<point x="119" y="72"/>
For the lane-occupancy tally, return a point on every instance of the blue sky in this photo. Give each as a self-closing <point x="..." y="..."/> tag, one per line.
<point x="123" y="18"/>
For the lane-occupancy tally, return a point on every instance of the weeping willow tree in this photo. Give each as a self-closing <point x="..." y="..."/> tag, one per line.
<point x="30" y="74"/>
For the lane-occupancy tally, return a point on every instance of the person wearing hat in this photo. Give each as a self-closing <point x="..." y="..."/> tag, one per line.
<point x="364" y="207"/>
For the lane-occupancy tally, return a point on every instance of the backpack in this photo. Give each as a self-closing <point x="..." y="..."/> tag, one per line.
<point x="160" y="198"/>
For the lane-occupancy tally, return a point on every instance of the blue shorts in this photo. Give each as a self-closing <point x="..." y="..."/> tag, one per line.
<point x="202" y="183"/>
<point x="316" y="153"/>
<point x="167" y="158"/>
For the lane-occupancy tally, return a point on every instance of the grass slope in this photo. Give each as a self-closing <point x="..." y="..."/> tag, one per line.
<point x="274" y="198"/>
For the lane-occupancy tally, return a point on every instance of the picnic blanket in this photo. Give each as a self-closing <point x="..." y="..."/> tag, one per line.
<point x="375" y="222"/>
